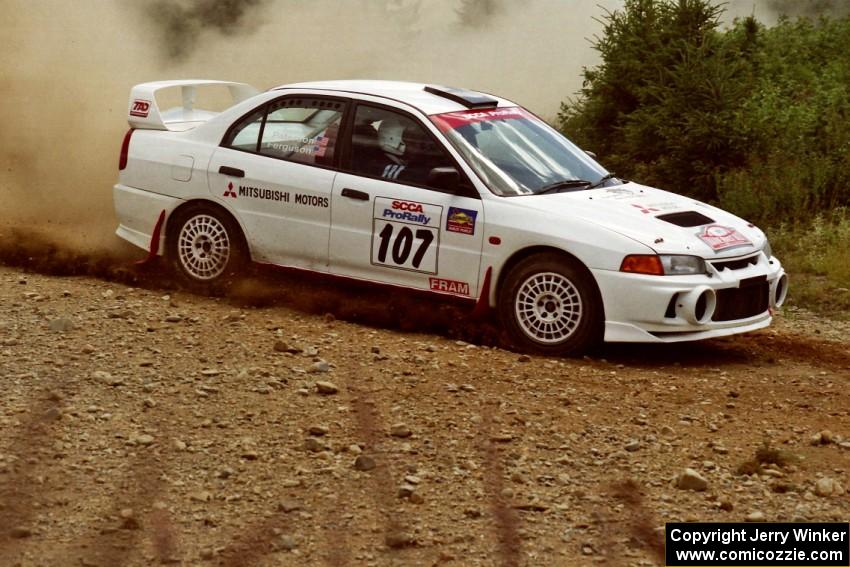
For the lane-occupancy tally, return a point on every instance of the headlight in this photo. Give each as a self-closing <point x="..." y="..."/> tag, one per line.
<point x="768" y="251"/>
<point x="679" y="265"/>
<point x="663" y="265"/>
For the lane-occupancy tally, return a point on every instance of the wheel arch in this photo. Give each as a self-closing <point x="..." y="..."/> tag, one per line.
<point x="169" y="224"/>
<point x="530" y="251"/>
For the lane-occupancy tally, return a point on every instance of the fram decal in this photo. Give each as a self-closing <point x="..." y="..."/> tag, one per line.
<point x="722" y="237"/>
<point x="449" y="286"/>
<point x="140" y="108"/>
<point x="461" y="220"/>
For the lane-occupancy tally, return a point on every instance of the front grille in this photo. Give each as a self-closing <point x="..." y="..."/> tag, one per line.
<point x="749" y="300"/>
<point x="739" y="264"/>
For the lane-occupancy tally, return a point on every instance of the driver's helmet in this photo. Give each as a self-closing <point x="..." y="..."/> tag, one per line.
<point x="391" y="137"/>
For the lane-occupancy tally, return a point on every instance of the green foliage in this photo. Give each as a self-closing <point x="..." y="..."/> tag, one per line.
<point x="753" y="118"/>
<point x="817" y="255"/>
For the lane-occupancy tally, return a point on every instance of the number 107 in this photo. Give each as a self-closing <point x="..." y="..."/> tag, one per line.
<point x="402" y="245"/>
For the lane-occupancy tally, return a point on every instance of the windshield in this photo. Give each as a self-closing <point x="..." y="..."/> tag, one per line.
<point x="515" y="153"/>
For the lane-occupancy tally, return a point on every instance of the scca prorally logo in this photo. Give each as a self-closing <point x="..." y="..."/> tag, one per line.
<point x="406" y="211"/>
<point x="140" y="108"/>
<point x="407" y="206"/>
<point x="229" y="192"/>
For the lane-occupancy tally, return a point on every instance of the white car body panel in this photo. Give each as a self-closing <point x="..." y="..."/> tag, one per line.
<point x="304" y="243"/>
<point x="448" y="256"/>
<point x="175" y="156"/>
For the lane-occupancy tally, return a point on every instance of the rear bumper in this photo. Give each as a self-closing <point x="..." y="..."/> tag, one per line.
<point x="137" y="212"/>
<point x="665" y="309"/>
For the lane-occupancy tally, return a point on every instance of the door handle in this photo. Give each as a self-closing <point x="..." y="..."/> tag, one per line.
<point x="231" y="171"/>
<point x="355" y="194"/>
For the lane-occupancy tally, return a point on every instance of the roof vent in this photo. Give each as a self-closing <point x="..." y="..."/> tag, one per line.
<point x="469" y="99"/>
<point x="686" y="219"/>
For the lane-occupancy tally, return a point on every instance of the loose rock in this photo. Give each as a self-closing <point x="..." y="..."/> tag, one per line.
<point x="61" y="325"/>
<point x="755" y="517"/>
<point x="326" y="388"/>
<point x="690" y="479"/>
<point x="400" y="430"/>
<point x="828" y="487"/>
<point x="364" y="463"/>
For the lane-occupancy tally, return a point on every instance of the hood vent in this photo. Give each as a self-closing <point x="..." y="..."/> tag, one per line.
<point x="686" y="219"/>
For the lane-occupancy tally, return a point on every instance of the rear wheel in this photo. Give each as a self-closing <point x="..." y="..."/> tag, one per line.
<point x="549" y="304"/>
<point x="206" y="248"/>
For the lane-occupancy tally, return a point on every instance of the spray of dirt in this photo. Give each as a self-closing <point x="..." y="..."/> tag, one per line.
<point x="180" y="24"/>
<point x="810" y="8"/>
<point x="67" y="70"/>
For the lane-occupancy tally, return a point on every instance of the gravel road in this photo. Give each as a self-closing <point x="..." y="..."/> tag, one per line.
<point x="302" y="424"/>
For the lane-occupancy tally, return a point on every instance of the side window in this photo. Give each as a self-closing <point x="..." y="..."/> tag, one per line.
<point x="393" y="146"/>
<point x="246" y="134"/>
<point x="302" y="129"/>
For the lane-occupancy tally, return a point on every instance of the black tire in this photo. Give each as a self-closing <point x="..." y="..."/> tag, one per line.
<point x="549" y="304"/>
<point x="206" y="248"/>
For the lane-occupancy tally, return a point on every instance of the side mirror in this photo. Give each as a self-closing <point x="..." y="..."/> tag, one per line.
<point x="591" y="154"/>
<point x="445" y="178"/>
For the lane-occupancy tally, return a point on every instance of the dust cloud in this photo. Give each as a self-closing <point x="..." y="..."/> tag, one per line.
<point x="67" y="69"/>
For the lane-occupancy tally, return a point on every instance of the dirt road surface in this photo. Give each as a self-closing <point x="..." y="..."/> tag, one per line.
<point x="326" y="426"/>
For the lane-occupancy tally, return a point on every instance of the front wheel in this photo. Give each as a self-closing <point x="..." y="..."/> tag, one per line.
<point x="549" y="304"/>
<point x="205" y="247"/>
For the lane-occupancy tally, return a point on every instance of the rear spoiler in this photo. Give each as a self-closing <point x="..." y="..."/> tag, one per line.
<point x="143" y="111"/>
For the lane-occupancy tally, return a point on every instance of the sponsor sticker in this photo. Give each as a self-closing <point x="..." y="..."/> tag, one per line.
<point x="617" y="193"/>
<point x="229" y="192"/>
<point x="461" y="220"/>
<point x="405" y="211"/>
<point x="140" y="108"/>
<point x="406" y="235"/>
<point x="645" y="209"/>
<point x="719" y="237"/>
<point x="452" y="120"/>
<point x="449" y="286"/>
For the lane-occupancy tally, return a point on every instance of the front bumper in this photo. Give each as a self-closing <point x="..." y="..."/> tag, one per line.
<point x="641" y="308"/>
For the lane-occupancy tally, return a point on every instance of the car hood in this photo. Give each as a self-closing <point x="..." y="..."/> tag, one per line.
<point x="655" y="218"/>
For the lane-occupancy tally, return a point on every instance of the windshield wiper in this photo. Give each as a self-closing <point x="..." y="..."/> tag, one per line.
<point x="604" y="178"/>
<point x="564" y="184"/>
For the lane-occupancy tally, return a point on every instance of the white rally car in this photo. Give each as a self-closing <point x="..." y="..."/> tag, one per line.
<point x="442" y="190"/>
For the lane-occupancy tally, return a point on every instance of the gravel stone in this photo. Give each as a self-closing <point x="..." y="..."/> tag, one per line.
<point x="689" y="479"/>
<point x="326" y="388"/>
<point x="364" y="463"/>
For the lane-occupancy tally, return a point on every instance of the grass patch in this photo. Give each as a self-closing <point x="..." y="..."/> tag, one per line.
<point x="767" y="455"/>
<point x="816" y="255"/>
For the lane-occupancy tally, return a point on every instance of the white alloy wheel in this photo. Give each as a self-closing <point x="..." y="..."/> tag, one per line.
<point x="548" y="307"/>
<point x="203" y="247"/>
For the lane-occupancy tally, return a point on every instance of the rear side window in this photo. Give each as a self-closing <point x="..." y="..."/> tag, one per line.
<point x="247" y="134"/>
<point x="302" y="130"/>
